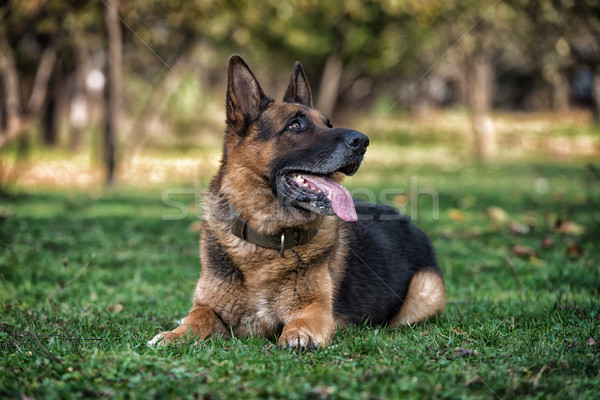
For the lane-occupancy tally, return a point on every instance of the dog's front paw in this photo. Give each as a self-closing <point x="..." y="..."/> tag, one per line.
<point x="297" y="340"/>
<point x="297" y="336"/>
<point x="164" y="338"/>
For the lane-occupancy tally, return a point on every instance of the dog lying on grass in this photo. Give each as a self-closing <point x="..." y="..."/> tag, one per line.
<point x="285" y="250"/>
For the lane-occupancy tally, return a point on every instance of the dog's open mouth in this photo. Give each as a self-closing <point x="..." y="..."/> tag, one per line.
<point x="319" y="193"/>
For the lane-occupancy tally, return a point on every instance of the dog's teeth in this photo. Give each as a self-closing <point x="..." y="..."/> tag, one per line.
<point x="299" y="179"/>
<point x="330" y="195"/>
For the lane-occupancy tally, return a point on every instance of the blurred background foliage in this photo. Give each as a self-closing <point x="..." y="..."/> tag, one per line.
<point x="480" y="80"/>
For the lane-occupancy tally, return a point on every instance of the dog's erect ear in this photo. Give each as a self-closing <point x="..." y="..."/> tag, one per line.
<point x="299" y="90"/>
<point x="244" y="94"/>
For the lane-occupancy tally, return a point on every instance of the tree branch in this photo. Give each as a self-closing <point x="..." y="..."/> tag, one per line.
<point x="18" y="121"/>
<point x="10" y="76"/>
<point x="42" y="77"/>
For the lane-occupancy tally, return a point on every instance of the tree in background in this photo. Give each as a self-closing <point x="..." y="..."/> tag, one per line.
<point x="574" y="29"/>
<point x="114" y="102"/>
<point x="42" y="43"/>
<point x="482" y="38"/>
<point x="343" y="42"/>
<point x="27" y="61"/>
<point x="353" y="52"/>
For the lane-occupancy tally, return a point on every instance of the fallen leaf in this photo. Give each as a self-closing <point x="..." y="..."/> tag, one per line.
<point x="531" y="221"/>
<point x="401" y="200"/>
<point x="574" y="250"/>
<point x="465" y="353"/>
<point x="521" y="251"/>
<point x="569" y="227"/>
<point x="116" y="308"/>
<point x="547" y="242"/>
<point x="592" y="342"/>
<point x="497" y="214"/>
<point x="536" y="261"/>
<point x="457" y="215"/>
<point x="515" y="227"/>
<point x="322" y="392"/>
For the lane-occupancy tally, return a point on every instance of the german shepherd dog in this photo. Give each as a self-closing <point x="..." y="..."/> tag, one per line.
<point x="285" y="250"/>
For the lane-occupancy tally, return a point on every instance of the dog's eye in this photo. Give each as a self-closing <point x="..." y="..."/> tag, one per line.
<point x="294" y="126"/>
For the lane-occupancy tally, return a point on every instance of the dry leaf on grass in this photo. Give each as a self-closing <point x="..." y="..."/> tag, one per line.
<point x="401" y="200"/>
<point x="457" y="215"/>
<point x="322" y="392"/>
<point x="569" y="227"/>
<point x="536" y="261"/>
<point x="116" y="308"/>
<point x="497" y="215"/>
<point x="465" y="353"/>
<point x="574" y="250"/>
<point x="522" y="251"/>
<point x="547" y="242"/>
<point x="515" y="227"/>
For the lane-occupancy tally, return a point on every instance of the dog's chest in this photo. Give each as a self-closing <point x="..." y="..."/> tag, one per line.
<point x="254" y="312"/>
<point x="255" y="293"/>
<point x="257" y="301"/>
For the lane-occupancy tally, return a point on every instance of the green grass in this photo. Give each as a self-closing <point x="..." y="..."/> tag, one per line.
<point x="87" y="280"/>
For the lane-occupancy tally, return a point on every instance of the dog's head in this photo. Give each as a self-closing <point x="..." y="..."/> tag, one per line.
<point x="285" y="154"/>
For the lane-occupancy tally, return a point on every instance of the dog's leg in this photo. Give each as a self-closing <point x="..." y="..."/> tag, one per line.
<point x="200" y="323"/>
<point x="426" y="297"/>
<point x="312" y="327"/>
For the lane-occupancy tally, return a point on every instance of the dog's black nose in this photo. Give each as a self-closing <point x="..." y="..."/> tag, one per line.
<point x="356" y="140"/>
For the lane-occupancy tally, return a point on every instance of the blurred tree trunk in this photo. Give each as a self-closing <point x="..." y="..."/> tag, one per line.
<point x="18" y="120"/>
<point x="113" y="88"/>
<point x="480" y="81"/>
<point x="51" y="111"/>
<point x="561" y="91"/>
<point x="11" y="128"/>
<point x="420" y="101"/>
<point x="49" y="123"/>
<point x="596" y="94"/>
<point x="330" y="84"/>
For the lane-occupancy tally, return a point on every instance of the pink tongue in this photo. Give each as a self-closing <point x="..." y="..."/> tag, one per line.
<point x="341" y="201"/>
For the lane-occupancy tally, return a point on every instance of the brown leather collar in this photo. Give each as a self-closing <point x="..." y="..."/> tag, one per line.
<point x="287" y="239"/>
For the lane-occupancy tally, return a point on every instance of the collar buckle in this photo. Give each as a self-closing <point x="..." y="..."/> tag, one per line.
<point x="282" y="245"/>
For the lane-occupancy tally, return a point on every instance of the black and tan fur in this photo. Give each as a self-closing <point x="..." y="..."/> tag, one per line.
<point x="380" y="268"/>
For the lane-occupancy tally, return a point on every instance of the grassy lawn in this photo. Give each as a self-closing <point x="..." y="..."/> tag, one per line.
<point x="88" y="277"/>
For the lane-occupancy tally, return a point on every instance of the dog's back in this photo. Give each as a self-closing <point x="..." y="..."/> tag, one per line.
<point x="385" y="252"/>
